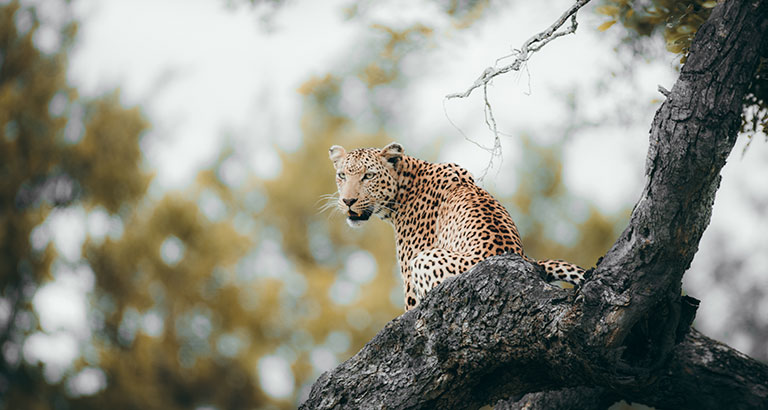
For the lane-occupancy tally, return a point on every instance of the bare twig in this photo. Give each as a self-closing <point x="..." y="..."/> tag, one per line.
<point x="490" y="121"/>
<point x="521" y="56"/>
<point x="531" y="46"/>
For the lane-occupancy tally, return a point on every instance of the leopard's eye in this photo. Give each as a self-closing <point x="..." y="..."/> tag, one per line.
<point x="341" y="176"/>
<point x="368" y="175"/>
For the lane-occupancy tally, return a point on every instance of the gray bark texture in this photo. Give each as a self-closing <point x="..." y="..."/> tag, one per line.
<point x="499" y="335"/>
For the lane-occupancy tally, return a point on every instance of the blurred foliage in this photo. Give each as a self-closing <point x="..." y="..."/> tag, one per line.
<point x="172" y="363"/>
<point x="58" y="150"/>
<point x="386" y="68"/>
<point x="678" y="21"/>
<point x="755" y="115"/>
<point x="742" y="312"/>
<point x="465" y="12"/>
<point x="44" y="163"/>
<point x="553" y="223"/>
<point x="320" y="245"/>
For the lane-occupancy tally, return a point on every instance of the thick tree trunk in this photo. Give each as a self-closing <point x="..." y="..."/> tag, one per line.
<point x="498" y="331"/>
<point x="479" y="339"/>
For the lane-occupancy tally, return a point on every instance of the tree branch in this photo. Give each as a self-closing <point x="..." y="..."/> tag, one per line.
<point x="704" y="373"/>
<point x="574" y="398"/>
<point x="692" y="134"/>
<point x="701" y="375"/>
<point x="473" y="340"/>
<point x="531" y="46"/>
<point x="522" y="55"/>
<point x="498" y="331"/>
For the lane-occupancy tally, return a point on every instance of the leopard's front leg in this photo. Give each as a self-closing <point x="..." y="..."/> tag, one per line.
<point x="429" y="268"/>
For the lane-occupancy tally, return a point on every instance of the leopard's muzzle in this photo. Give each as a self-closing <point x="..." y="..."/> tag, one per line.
<point x="363" y="216"/>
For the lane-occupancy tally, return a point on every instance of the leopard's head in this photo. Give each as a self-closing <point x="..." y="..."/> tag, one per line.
<point x="367" y="181"/>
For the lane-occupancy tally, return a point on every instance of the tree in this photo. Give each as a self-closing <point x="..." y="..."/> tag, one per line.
<point x="165" y="329"/>
<point x="484" y="336"/>
<point x="47" y="141"/>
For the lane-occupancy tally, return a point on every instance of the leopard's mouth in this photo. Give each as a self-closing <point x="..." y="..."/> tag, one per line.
<point x="363" y="216"/>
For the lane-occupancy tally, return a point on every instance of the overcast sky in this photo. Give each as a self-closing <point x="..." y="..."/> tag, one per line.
<point x="202" y="70"/>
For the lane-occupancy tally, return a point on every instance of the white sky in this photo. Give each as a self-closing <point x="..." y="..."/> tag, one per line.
<point x="201" y="70"/>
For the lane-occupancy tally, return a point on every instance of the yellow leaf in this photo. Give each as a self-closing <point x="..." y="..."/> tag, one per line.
<point x="606" y="25"/>
<point x="608" y="10"/>
<point x="629" y="13"/>
<point x="709" y="4"/>
<point x="674" y="47"/>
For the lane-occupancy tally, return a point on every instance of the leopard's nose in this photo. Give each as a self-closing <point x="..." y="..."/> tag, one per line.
<point x="349" y="201"/>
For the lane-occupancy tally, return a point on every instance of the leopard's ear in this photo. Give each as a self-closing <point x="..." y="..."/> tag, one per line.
<point x="392" y="153"/>
<point x="337" y="153"/>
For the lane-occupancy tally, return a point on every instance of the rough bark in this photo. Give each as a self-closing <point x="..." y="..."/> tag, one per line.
<point x="498" y="331"/>
<point x="702" y="373"/>
<point x="478" y="340"/>
<point x="572" y="398"/>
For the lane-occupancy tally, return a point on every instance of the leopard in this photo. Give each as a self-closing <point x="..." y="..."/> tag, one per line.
<point x="444" y="223"/>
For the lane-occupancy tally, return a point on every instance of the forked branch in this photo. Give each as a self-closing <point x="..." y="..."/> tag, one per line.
<point x="531" y="46"/>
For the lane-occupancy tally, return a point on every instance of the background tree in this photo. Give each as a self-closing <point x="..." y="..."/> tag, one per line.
<point x="164" y="325"/>
<point x="47" y="145"/>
